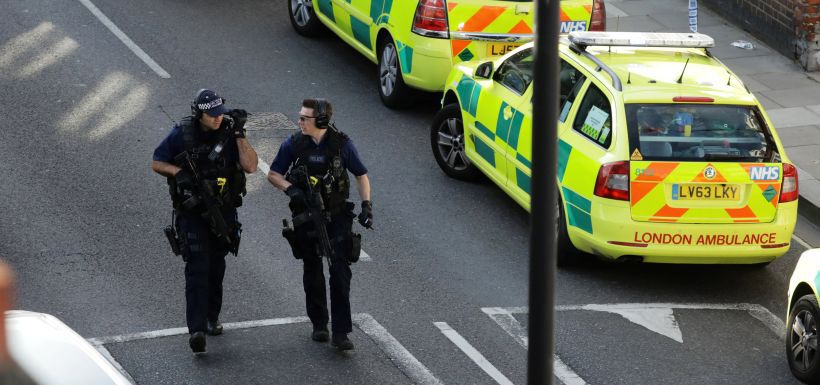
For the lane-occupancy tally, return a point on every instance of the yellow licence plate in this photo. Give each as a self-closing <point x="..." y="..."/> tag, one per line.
<point x="706" y="192"/>
<point x="498" y="49"/>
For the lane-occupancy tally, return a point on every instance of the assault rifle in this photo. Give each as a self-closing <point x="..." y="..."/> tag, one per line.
<point x="212" y="203"/>
<point x="315" y="213"/>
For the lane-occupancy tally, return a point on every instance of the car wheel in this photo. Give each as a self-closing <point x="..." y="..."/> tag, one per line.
<point x="801" y="340"/>
<point x="447" y="140"/>
<point x="392" y="89"/>
<point x="303" y="17"/>
<point x="566" y="253"/>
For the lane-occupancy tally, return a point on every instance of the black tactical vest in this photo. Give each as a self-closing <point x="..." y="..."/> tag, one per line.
<point x="323" y="164"/>
<point x="200" y="145"/>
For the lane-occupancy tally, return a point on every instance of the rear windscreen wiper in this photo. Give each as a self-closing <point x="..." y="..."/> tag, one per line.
<point x="727" y="157"/>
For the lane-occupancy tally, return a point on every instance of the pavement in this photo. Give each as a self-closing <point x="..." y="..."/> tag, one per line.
<point x="790" y="95"/>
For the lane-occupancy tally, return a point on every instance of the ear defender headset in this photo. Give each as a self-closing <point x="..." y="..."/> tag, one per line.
<point x="195" y="111"/>
<point x="322" y="120"/>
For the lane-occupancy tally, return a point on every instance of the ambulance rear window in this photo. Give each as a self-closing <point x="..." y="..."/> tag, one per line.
<point x="698" y="132"/>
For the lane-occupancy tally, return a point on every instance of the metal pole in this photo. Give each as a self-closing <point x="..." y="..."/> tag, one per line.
<point x="542" y="215"/>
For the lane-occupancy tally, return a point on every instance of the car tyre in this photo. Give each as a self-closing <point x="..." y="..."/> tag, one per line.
<point x="566" y="253"/>
<point x="447" y="139"/>
<point x="392" y="89"/>
<point x="303" y="18"/>
<point x="801" y="340"/>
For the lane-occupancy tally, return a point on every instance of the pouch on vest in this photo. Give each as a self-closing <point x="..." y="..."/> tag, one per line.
<point x="355" y="247"/>
<point x="297" y="246"/>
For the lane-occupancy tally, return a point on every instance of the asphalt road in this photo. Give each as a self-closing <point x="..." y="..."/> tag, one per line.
<point x="82" y="220"/>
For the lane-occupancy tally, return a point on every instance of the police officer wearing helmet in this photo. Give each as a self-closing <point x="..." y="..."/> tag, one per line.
<point x="326" y="155"/>
<point x="205" y="158"/>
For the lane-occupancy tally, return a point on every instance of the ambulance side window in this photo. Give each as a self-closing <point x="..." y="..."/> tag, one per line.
<point x="571" y="82"/>
<point x="516" y="72"/>
<point x="594" y="117"/>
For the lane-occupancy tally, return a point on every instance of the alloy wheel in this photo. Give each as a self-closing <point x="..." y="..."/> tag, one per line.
<point x="301" y="11"/>
<point x="803" y="340"/>
<point x="451" y="144"/>
<point x="388" y="69"/>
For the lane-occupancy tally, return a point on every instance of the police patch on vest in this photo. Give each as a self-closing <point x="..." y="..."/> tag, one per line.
<point x="316" y="158"/>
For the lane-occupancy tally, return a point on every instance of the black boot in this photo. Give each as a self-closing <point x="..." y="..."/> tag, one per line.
<point x="214" y="328"/>
<point x="341" y="342"/>
<point x="320" y="335"/>
<point x="197" y="342"/>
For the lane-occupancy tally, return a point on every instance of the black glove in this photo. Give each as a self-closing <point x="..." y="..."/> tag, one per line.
<point x="366" y="216"/>
<point x="239" y="117"/>
<point x="184" y="180"/>
<point x="297" y="199"/>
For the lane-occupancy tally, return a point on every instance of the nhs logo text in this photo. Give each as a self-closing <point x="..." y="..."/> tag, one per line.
<point x="572" y="26"/>
<point x="764" y="173"/>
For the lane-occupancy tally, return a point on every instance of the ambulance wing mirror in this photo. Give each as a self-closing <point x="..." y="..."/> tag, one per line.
<point x="484" y="70"/>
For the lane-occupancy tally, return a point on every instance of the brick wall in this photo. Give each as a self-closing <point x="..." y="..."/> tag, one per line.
<point x="807" y="27"/>
<point x="790" y="26"/>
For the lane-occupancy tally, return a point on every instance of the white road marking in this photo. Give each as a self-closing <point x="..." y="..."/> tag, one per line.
<point x="801" y="242"/>
<point x="658" y="320"/>
<point x="504" y="318"/>
<point x="179" y="331"/>
<point x="471" y="352"/>
<point x="265" y="169"/>
<point x="125" y="39"/>
<point x="759" y="312"/>
<point x="405" y="361"/>
<point x="394" y="350"/>
<point x="771" y="321"/>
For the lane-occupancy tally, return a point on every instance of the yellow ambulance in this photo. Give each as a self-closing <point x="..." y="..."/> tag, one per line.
<point x="663" y="154"/>
<point x="416" y="42"/>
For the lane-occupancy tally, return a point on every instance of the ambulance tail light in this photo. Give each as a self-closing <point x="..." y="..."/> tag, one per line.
<point x="789" y="191"/>
<point x="431" y="19"/>
<point x="597" y="21"/>
<point x="613" y="181"/>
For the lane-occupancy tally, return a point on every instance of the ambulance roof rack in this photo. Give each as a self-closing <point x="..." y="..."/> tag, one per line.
<point x="580" y="40"/>
<point x="616" y="81"/>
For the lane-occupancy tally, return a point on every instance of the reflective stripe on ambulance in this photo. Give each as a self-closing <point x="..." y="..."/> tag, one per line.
<point x="514" y="21"/>
<point x="695" y="192"/>
<point x="502" y="128"/>
<point x="468" y="18"/>
<point x="577" y="206"/>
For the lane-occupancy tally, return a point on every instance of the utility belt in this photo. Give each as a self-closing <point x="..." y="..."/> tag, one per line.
<point x="179" y="241"/>
<point x="303" y="239"/>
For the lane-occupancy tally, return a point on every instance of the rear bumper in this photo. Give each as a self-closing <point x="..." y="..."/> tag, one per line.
<point x="432" y="59"/>
<point x="431" y="63"/>
<point x="730" y="243"/>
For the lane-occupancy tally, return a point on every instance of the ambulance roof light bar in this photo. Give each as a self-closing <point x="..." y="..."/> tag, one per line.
<point x="583" y="39"/>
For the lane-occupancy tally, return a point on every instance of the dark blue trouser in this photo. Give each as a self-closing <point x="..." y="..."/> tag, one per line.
<point x="204" y="271"/>
<point x="313" y="280"/>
